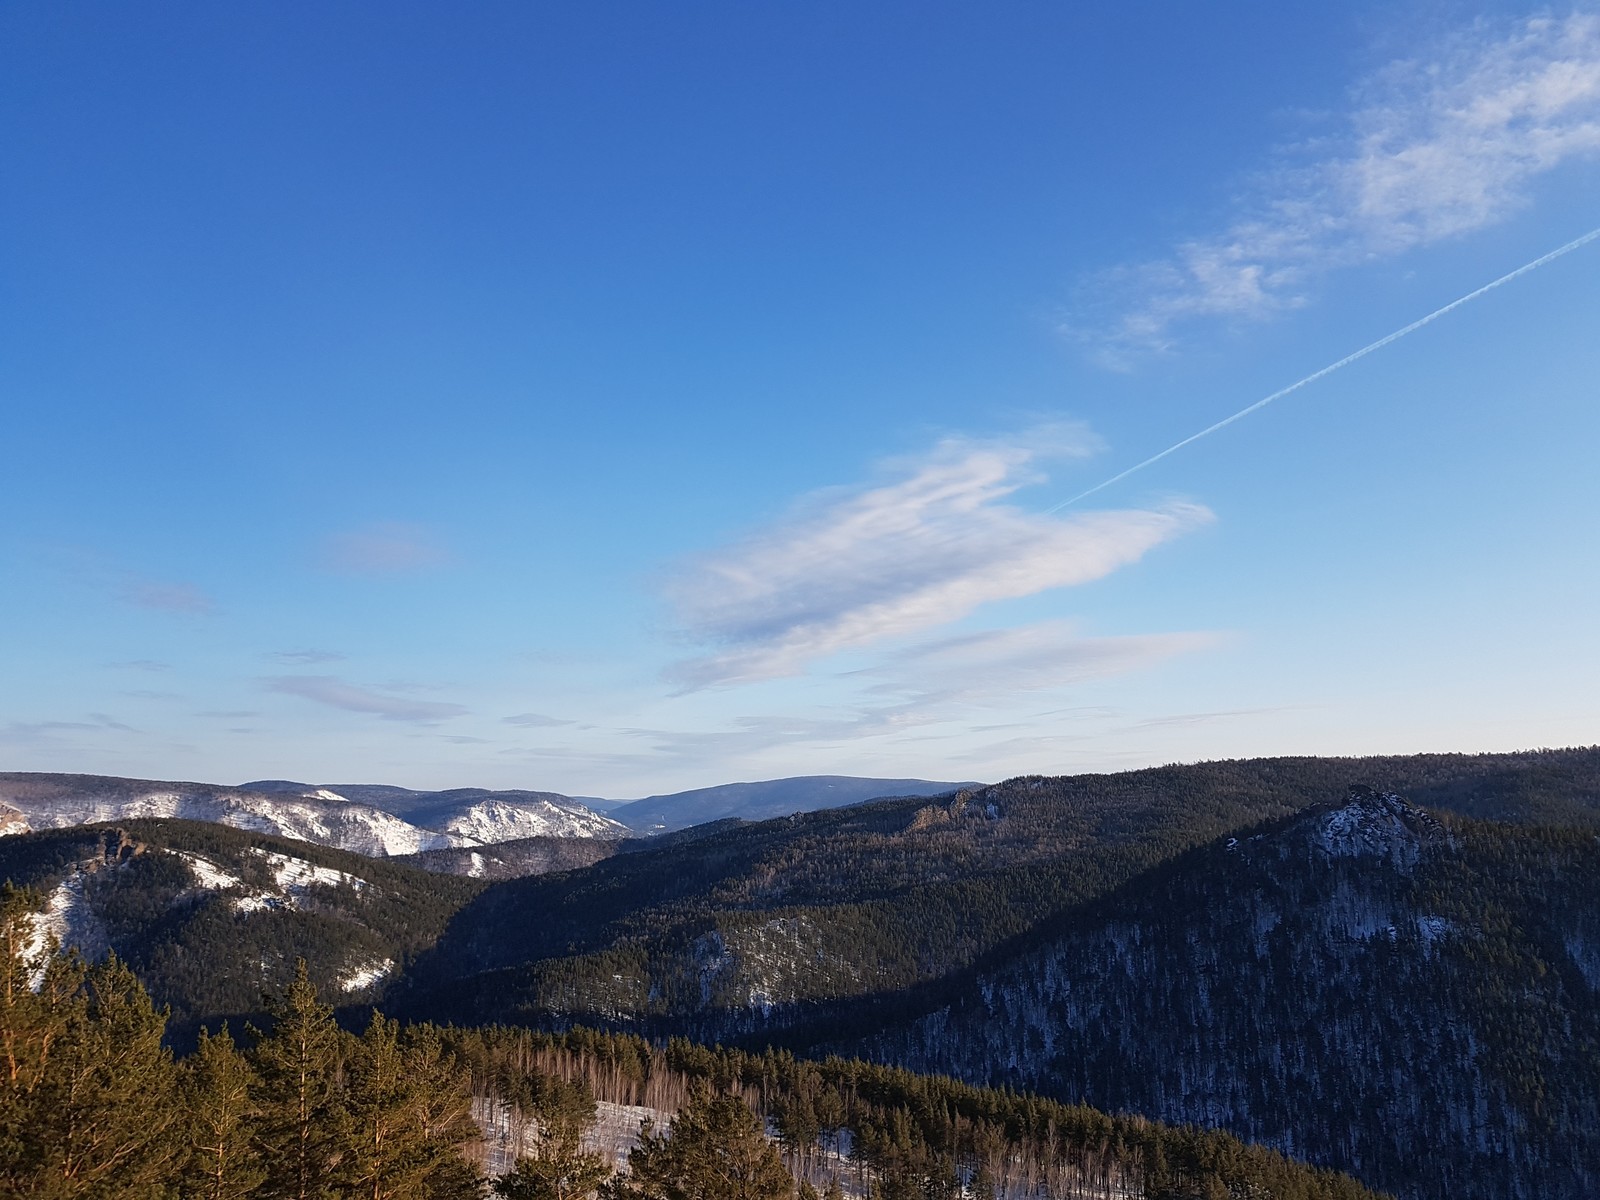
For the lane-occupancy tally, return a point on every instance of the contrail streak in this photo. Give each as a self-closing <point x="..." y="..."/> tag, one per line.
<point x="1332" y="367"/>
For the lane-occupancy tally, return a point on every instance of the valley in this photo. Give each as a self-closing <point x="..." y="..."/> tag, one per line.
<point x="1339" y="959"/>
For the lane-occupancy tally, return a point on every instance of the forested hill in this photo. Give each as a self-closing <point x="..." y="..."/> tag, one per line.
<point x="1414" y="999"/>
<point x="93" y="1107"/>
<point x="746" y="928"/>
<point x="211" y="918"/>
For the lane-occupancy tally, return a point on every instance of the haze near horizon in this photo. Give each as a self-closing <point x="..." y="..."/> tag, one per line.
<point x="617" y="401"/>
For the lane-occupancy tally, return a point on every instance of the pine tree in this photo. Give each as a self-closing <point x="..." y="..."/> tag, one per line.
<point x="219" y="1087"/>
<point x="29" y="1026"/>
<point x="715" y="1149"/>
<point x="559" y="1168"/>
<point x="402" y="1119"/>
<point x="301" y="1111"/>
<point x="106" y="1105"/>
<point x="442" y="1109"/>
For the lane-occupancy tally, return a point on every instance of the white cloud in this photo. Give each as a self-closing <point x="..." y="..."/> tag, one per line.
<point x="1047" y="654"/>
<point x="531" y="720"/>
<point x="336" y="693"/>
<point x="307" y="658"/>
<point x="851" y="568"/>
<point x="386" y="548"/>
<point x="1436" y="146"/>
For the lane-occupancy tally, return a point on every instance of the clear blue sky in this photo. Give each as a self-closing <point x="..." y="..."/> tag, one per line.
<point x="616" y="398"/>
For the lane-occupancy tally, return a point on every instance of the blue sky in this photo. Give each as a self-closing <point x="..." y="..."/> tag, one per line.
<point x="621" y="398"/>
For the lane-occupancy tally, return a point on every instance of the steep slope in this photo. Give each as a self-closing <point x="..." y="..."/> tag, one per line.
<point x="1351" y="986"/>
<point x="515" y="859"/>
<point x="834" y="918"/>
<point x="487" y="817"/>
<point x="477" y="816"/>
<point x="764" y="800"/>
<point x="391" y="821"/>
<point x="62" y="801"/>
<point x="211" y="917"/>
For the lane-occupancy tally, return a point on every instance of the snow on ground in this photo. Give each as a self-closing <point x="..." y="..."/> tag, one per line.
<point x="295" y="878"/>
<point x="207" y="874"/>
<point x="1431" y="930"/>
<point x="296" y="874"/>
<point x="323" y="817"/>
<point x="365" y="975"/>
<point x="491" y="821"/>
<point x="68" y="918"/>
<point x="614" y="1134"/>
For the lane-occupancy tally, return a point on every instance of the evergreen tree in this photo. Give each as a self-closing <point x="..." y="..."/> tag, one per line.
<point x="301" y="1111"/>
<point x="31" y="1024"/>
<point x="559" y="1168"/>
<point x="387" y="1153"/>
<point x="219" y="1087"/>
<point x="104" y="1113"/>
<point x="442" y="1109"/>
<point x="715" y="1149"/>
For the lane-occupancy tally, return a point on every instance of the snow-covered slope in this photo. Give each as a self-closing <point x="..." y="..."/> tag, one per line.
<point x="504" y="821"/>
<point x="326" y="816"/>
<point x="12" y="821"/>
<point x="473" y="816"/>
<point x="57" y="801"/>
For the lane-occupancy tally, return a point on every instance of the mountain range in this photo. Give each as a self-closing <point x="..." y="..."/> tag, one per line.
<point x="382" y="819"/>
<point x="1387" y="966"/>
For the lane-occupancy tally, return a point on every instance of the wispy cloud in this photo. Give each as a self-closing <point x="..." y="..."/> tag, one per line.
<point x="183" y="598"/>
<point x="386" y="548"/>
<point x="1435" y="146"/>
<point x="336" y="693"/>
<point x="307" y="658"/>
<point x="534" y="721"/>
<point x="140" y="664"/>
<point x="51" y="733"/>
<point x="926" y="546"/>
<point x="1047" y="654"/>
<point x="1185" y="720"/>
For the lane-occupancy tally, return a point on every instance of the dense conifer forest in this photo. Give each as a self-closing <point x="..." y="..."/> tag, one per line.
<point x="1194" y="944"/>
<point x="209" y="918"/>
<point x="93" y="1105"/>
<point x="745" y="930"/>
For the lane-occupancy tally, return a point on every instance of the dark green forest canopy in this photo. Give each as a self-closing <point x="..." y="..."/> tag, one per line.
<point x="201" y="951"/>
<point x="892" y="895"/>
<point x="869" y="904"/>
<point x="94" y="1107"/>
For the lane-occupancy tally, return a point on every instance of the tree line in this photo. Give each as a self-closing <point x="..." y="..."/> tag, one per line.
<point x="94" y="1106"/>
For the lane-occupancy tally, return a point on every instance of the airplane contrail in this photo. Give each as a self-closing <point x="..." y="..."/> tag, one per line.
<point x="1592" y="235"/>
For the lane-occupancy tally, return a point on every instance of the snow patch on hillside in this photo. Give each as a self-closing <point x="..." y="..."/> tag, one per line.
<point x="68" y="919"/>
<point x="207" y="874"/>
<point x="490" y="821"/>
<point x="296" y="874"/>
<point x="365" y="975"/>
<point x="762" y="966"/>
